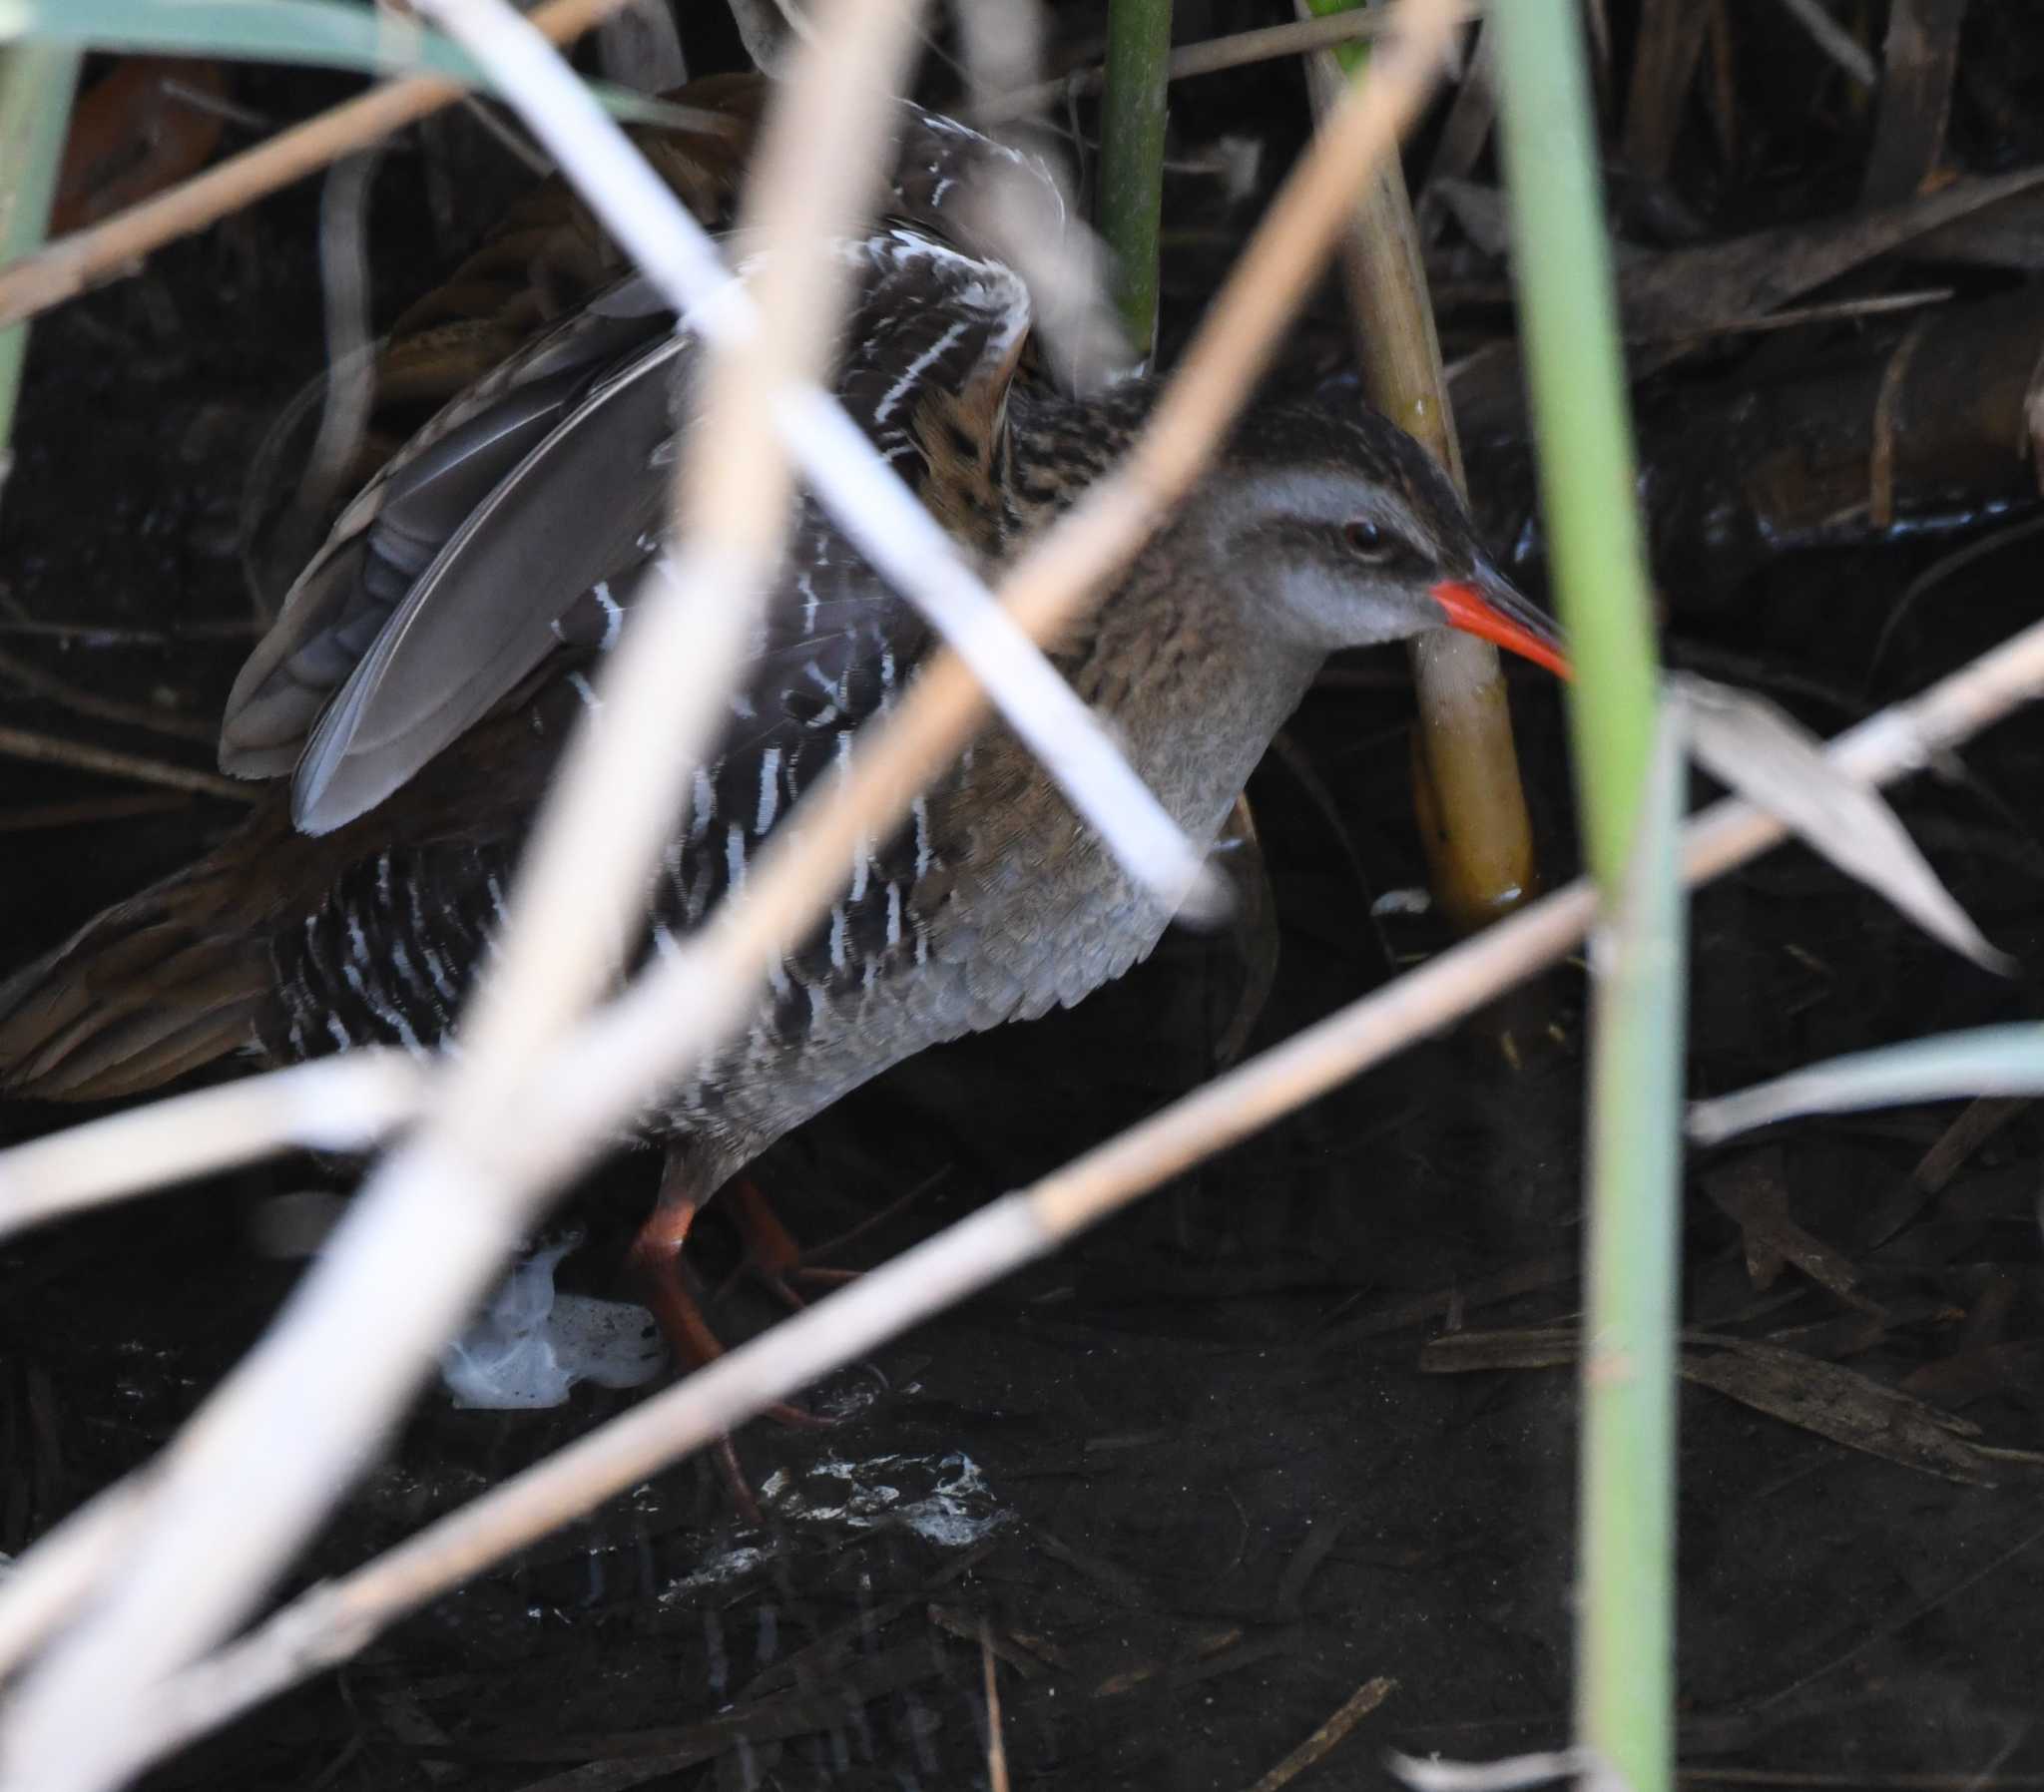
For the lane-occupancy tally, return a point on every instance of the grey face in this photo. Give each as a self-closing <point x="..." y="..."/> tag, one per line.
<point x="1331" y="555"/>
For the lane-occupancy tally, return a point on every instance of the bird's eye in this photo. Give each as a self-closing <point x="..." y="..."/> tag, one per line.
<point x="1366" y="540"/>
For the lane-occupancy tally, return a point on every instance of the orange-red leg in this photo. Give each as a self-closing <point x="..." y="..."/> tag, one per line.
<point x="772" y="1253"/>
<point x="655" y="1262"/>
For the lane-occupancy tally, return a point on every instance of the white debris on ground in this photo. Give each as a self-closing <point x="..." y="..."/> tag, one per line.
<point x="726" y="1564"/>
<point x="943" y="1498"/>
<point x="532" y="1344"/>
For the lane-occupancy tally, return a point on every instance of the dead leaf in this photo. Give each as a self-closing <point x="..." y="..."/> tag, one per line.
<point x="1685" y="291"/>
<point x="1832" y="1402"/>
<point x="1974" y="1374"/>
<point x="1753" y="1195"/>
<point x="1995" y="1060"/>
<point x="1839" y="1403"/>
<point x="1762" y="752"/>
<point x="1920" y="59"/>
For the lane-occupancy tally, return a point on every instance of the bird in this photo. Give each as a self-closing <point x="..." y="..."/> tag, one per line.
<point x="409" y="704"/>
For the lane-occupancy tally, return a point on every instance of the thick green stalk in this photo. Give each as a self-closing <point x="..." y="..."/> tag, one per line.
<point x="37" y="82"/>
<point x="1568" y="323"/>
<point x="1625" y="1514"/>
<point x="1625" y="1652"/>
<point x="1131" y="158"/>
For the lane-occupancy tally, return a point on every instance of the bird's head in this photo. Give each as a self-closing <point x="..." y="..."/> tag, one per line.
<point x="1343" y="533"/>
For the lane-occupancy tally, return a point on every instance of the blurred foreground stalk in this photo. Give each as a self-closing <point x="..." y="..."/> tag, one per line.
<point x="37" y="83"/>
<point x="1473" y="806"/>
<point x="1625" y="1668"/>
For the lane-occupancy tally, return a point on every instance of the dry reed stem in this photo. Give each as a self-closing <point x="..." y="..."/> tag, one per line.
<point x="996" y="1742"/>
<point x="1330" y="1735"/>
<point x="1211" y="56"/>
<point x="106" y="761"/>
<point x="225" y="1505"/>
<point x="332" y="1622"/>
<point x="81" y="701"/>
<point x="349" y="1102"/>
<point x="47" y="1584"/>
<point x="116" y="247"/>
<point x="207" y="1547"/>
<point x="598" y="840"/>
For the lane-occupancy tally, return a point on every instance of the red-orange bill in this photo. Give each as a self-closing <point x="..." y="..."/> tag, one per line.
<point x="1498" y="614"/>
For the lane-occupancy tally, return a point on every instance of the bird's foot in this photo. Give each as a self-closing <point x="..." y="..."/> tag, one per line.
<point x="774" y="1257"/>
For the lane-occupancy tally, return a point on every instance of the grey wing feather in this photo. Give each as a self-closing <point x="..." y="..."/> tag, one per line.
<point x="392" y="530"/>
<point x="416" y="656"/>
<point x="343" y="601"/>
<point x="482" y="615"/>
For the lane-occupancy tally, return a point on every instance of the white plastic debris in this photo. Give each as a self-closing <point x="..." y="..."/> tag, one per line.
<point x="532" y="1344"/>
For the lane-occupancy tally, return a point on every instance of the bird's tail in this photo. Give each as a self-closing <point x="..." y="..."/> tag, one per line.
<point x="149" y="989"/>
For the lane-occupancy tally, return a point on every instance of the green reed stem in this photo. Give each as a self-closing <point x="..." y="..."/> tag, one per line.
<point x="1131" y="158"/>
<point x="1568" y="324"/>
<point x="37" y="83"/>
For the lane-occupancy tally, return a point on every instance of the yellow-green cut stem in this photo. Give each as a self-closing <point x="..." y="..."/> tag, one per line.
<point x="1472" y="805"/>
<point x="37" y="82"/>
<point x="1353" y="58"/>
<point x="1131" y="158"/>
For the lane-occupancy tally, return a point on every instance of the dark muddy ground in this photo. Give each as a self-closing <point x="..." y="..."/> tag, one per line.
<point x="1203" y="1476"/>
